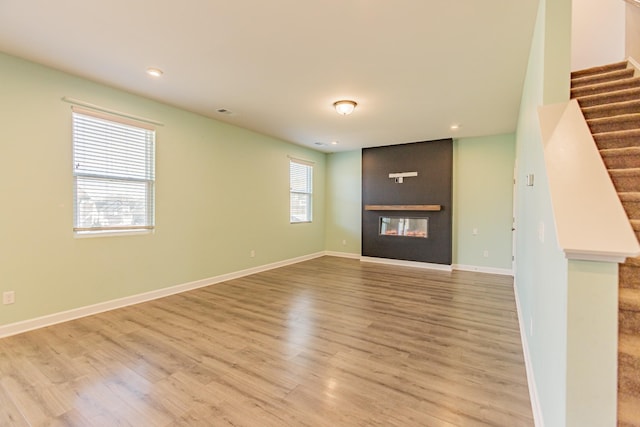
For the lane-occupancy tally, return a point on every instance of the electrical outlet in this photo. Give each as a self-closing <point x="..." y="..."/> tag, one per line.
<point x="8" y="297"/>
<point x="344" y="242"/>
<point x="252" y="254"/>
<point x="486" y="253"/>
<point x="475" y="231"/>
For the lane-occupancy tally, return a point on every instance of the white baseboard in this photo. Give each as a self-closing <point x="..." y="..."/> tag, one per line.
<point x="490" y="270"/>
<point x="342" y="254"/>
<point x="402" y="263"/>
<point x="64" y="316"/>
<point x="531" y="379"/>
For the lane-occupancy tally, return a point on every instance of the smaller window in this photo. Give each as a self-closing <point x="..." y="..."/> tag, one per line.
<point x="301" y="191"/>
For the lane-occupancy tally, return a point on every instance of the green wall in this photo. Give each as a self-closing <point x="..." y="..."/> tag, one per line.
<point x="343" y="204"/>
<point x="221" y="192"/>
<point x="541" y="269"/>
<point x="482" y="191"/>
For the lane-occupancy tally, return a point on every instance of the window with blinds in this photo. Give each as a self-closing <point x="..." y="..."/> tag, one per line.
<point x="113" y="173"/>
<point x="301" y="191"/>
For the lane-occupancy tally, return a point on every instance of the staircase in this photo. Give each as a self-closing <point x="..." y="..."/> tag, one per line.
<point x="609" y="97"/>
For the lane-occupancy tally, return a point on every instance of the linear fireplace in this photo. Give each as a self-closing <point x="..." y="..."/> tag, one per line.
<point x="404" y="227"/>
<point x="407" y="202"/>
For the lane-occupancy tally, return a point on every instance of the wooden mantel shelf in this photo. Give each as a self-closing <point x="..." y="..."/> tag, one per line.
<point x="402" y="207"/>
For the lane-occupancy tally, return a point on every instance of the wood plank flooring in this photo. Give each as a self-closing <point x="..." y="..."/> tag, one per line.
<point x="327" y="342"/>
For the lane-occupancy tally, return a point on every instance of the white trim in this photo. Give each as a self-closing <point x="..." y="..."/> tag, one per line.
<point x="94" y="234"/>
<point x="342" y="254"/>
<point x="479" y="269"/>
<point x="595" y="256"/>
<point x="538" y="421"/>
<point x="402" y="263"/>
<point x="634" y="64"/>
<point x="94" y="109"/>
<point x="64" y="316"/>
<point x="301" y="161"/>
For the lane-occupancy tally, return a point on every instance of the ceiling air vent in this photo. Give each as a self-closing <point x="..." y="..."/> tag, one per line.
<point x="224" y="111"/>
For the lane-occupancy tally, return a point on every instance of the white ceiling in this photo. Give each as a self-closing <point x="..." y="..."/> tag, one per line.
<point x="413" y="66"/>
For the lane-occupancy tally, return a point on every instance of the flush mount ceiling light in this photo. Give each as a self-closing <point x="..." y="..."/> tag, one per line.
<point x="344" y="107"/>
<point x="155" y="72"/>
<point x="454" y="127"/>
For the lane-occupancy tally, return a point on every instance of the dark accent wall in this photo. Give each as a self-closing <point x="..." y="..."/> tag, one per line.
<point x="433" y="160"/>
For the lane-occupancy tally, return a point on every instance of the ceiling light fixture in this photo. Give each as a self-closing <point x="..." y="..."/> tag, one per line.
<point x="344" y="107"/>
<point x="334" y="142"/>
<point x="454" y="127"/>
<point x="155" y="72"/>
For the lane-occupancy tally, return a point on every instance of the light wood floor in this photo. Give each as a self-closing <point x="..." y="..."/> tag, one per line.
<point x="328" y="342"/>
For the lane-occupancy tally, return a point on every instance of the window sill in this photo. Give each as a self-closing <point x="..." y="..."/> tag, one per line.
<point x="118" y="233"/>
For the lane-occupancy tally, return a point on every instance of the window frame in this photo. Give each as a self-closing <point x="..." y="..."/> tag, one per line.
<point x="112" y="179"/>
<point x="309" y="193"/>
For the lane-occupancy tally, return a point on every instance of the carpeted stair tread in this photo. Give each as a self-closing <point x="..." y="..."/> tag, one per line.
<point x="630" y="344"/>
<point x="625" y="172"/>
<point x="628" y="410"/>
<point x="621" y="158"/>
<point x="633" y="262"/>
<point x="628" y="322"/>
<point x="629" y="276"/>
<point x="618" y="139"/>
<point x="631" y="203"/>
<point x="635" y="224"/>
<point x="612" y="109"/>
<point x="630" y="196"/>
<point x="629" y="299"/>
<point x="602" y="77"/>
<point x="629" y="363"/>
<point x="615" y="123"/>
<point x="633" y="82"/>
<point x="608" y="97"/>
<point x="599" y="69"/>
<point x="626" y="180"/>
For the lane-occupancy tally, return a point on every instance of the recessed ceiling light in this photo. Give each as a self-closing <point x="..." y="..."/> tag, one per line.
<point x="155" y="72"/>
<point x="334" y="142"/>
<point x="454" y="127"/>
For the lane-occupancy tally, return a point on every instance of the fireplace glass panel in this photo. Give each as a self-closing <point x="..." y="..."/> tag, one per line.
<point x="408" y="227"/>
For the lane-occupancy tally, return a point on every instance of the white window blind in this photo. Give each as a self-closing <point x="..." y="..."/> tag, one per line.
<point x="114" y="173"/>
<point x="301" y="191"/>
